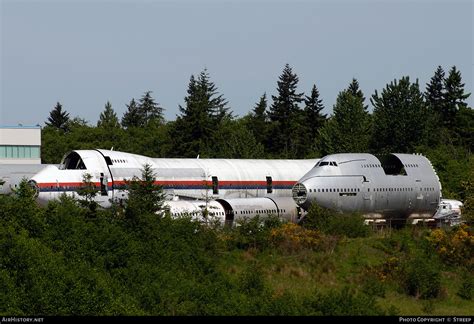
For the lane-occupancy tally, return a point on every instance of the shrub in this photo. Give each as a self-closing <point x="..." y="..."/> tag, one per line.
<point x="334" y="223"/>
<point x="467" y="286"/>
<point x="454" y="246"/>
<point x="252" y="232"/>
<point x="420" y="277"/>
<point x="292" y="237"/>
<point x="343" y="303"/>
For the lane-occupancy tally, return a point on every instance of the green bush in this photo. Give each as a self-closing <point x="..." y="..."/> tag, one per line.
<point x="343" y="303"/>
<point x="466" y="290"/>
<point x="421" y="277"/>
<point x="334" y="223"/>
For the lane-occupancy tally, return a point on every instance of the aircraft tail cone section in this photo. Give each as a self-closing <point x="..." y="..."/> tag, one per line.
<point x="300" y="194"/>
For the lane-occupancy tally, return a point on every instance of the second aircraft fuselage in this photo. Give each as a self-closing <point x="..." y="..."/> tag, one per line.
<point x="401" y="185"/>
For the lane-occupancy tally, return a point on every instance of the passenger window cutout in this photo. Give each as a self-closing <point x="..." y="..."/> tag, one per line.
<point x="103" y="185"/>
<point x="269" y="184"/>
<point x="215" y="185"/>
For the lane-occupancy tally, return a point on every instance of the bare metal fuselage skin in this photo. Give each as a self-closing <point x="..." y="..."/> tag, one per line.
<point x="397" y="186"/>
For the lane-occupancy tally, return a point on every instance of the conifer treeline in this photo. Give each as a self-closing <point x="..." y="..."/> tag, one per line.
<point x="406" y="119"/>
<point x="293" y="126"/>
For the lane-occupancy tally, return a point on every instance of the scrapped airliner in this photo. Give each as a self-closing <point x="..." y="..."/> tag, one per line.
<point x="238" y="186"/>
<point x="396" y="186"/>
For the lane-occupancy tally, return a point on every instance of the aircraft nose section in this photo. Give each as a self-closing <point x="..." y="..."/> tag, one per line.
<point x="300" y="194"/>
<point x="34" y="185"/>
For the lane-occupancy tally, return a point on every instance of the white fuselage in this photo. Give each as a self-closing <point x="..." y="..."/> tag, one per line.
<point x="202" y="179"/>
<point x="402" y="185"/>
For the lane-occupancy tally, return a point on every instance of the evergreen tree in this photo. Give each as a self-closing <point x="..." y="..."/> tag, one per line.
<point x="133" y="117"/>
<point x="150" y="110"/>
<point x="234" y="140"/>
<point x="313" y="118"/>
<point x="88" y="191"/>
<point x="348" y="130"/>
<point x="434" y="93"/>
<point x="200" y="118"/>
<point x="285" y="115"/>
<point x="454" y="97"/>
<point x="108" y="118"/>
<point x="435" y="103"/>
<point x="355" y="90"/>
<point x="258" y="119"/>
<point x="58" y="118"/>
<point x="144" y="196"/>
<point x="399" y="117"/>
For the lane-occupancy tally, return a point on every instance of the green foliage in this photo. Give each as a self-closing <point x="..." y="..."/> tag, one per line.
<point x="314" y="120"/>
<point x="420" y="277"/>
<point x="454" y="97"/>
<point x="286" y="116"/>
<point x="453" y="166"/>
<point x="58" y="118"/>
<point x="251" y="280"/>
<point x="233" y="140"/>
<point x="144" y="196"/>
<point x="257" y="120"/>
<point x="334" y="223"/>
<point x="399" y="117"/>
<point x="205" y="110"/>
<point x="88" y="191"/>
<point x="348" y="130"/>
<point x="253" y="233"/>
<point x="343" y="303"/>
<point x="150" y="110"/>
<point x="466" y="291"/>
<point x="108" y="118"/>
<point x="133" y="117"/>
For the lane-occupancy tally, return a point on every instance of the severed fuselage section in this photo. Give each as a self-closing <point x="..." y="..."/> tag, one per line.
<point x="392" y="186"/>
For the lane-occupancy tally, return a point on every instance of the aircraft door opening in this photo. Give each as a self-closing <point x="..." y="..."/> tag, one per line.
<point x="269" y="184"/>
<point x="103" y="185"/>
<point x="215" y="185"/>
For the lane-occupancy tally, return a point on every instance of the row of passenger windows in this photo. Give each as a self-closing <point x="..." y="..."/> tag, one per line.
<point x="242" y="212"/>
<point x="368" y="189"/>
<point x="260" y="212"/>
<point x="197" y="213"/>
<point x="119" y="161"/>
<point x="410" y="165"/>
<point x="336" y="190"/>
<point x="19" y="152"/>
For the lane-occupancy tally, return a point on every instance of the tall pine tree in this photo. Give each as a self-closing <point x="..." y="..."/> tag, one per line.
<point x="454" y="97"/>
<point x="258" y="119"/>
<point x="434" y="94"/>
<point x="348" y="130"/>
<point x="286" y="116"/>
<point x="399" y="117"/>
<point x="133" y="117"/>
<point x="200" y="118"/>
<point x="108" y="118"/>
<point x="314" y="119"/>
<point x="58" y="118"/>
<point x="150" y="110"/>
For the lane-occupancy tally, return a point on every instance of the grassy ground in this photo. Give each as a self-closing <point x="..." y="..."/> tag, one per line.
<point x="306" y="271"/>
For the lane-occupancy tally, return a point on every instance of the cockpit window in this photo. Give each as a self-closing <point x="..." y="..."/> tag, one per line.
<point x="331" y="163"/>
<point x="73" y="161"/>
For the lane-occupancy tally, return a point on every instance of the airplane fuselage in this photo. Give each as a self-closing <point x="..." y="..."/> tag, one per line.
<point x="202" y="179"/>
<point x="401" y="185"/>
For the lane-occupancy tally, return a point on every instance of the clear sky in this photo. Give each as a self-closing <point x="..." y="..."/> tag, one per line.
<point x="83" y="53"/>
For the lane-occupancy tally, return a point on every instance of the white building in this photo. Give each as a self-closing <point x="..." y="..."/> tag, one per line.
<point x="20" y="145"/>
